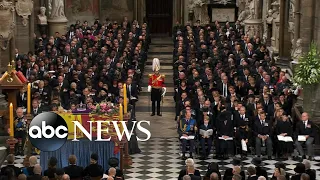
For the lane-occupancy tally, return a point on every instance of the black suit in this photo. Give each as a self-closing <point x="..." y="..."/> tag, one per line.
<point x="132" y="94"/>
<point x="302" y="129"/>
<point x="311" y="173"/>
<point x="93" y="170"/>
<point x="36" y="111"/>
<point x="255" y="177"/>
<point x="17" y="171"/>
<point x="264" y="129"/>
<point x="22" y="100"/>
<point x="260" y="171"/>
<point x="74" y="171"/>
<point x="34" y="177"/>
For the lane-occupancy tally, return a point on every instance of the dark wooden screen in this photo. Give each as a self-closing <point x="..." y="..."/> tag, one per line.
<point x="159" y="16"/>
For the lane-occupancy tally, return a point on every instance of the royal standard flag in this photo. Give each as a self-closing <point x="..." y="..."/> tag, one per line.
<point x="68" y="117"/>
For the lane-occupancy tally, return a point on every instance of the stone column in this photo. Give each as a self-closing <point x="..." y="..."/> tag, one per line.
<point x="297" y="20"/>
<point x="307" y="23"/>
<point x="253" y="27"/>
<point x="57" y="20"/>
<point x="284" y="41"/>
<point x="31" y="32"/>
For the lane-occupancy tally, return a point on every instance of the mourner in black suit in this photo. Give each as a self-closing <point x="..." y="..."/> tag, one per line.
<point x="244" y="129"/>
<point x="305" y="128"/>
<point x="22" y="98"/>
<point x="35" y="108"/>
<point x="10" y="164"/>
<point x="225" y="131"/>
<point x="74" y="171"/>
<point x="262" y="131"/>
<point x="132" y="94"/>
<point x="206" y="139"/>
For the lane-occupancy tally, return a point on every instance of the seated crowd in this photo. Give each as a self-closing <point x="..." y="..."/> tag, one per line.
<point x="302" y="171"/>
<point x="230" y="93"/>
<point x="87" y="65"/>
<point x="71" y="172"/>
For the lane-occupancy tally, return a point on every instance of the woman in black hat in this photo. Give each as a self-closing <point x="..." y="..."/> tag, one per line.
<point x="299" y="169"/>
<point x="94" y="170"/>
<point x="260" y="171"/>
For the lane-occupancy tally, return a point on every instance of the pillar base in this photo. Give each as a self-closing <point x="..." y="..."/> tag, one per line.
<point x="253" y="27"/>
<point x="58" y="25"/>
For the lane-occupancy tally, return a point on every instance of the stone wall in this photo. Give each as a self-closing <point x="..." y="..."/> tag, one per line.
<point x="116" y="9"/>
<point x="22" y="36"/>
<point x="82" y="10"/>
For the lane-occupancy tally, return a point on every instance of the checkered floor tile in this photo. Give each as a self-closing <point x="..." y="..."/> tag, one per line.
<point x="161" y="159"/>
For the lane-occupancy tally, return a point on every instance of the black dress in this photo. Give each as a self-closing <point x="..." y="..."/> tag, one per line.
<point x="284" y="127"/>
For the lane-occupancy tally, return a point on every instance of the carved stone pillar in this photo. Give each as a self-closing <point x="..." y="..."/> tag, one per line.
<point x="57" y="20"/>
<point x="253" y="27"/>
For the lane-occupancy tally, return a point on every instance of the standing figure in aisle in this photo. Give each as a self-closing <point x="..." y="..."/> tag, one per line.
<point x="156" y="87"/>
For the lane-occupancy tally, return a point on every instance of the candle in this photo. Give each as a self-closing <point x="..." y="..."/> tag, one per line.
<point x="120" y="116"/>
<point x="29" y="99"/>
<point x="125" y="99"/>
<point x="11" y="120"/>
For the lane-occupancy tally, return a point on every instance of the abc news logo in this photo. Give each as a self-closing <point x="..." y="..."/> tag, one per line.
<point x="49" y="131"/>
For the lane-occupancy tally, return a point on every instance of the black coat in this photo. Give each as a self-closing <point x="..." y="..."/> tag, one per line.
<point x="261" y="172"/>
<point x="265" y="129"/>
<point x="93" y="170"/>
<point x="301" y="130"/>
<point x="16" y="170"/>
<point x="74" y="171"/>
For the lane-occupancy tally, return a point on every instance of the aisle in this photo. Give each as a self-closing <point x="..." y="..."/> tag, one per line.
<point x="160" y="126"/>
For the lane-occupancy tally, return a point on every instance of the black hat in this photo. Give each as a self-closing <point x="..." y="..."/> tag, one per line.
<point x="280" y="165"/>
<point x="257" y="161"/>
<point x="300" y="168"/>
<point x="236" y="162"/>
<point x="113" y="162"/>
<point x="251" y="96"/>
<point x="59" y="172"/>
<point x="104" y="89"/>
<point x="94" y="156"/>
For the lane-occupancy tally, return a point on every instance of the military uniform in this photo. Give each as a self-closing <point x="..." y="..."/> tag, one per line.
<point x="157" y="83"/>
<point x="20" y="133"/>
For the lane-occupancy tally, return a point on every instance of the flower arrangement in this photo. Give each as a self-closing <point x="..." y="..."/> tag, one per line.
<point x="308" y="68"/>
<point x="105" y="108"/>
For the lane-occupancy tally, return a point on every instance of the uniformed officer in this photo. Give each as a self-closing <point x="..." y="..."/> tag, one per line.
<point x="156" y="87"/>
<point x="20" y="130"/>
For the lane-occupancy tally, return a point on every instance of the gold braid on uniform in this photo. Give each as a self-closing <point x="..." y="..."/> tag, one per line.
<point x="184" y="127"/>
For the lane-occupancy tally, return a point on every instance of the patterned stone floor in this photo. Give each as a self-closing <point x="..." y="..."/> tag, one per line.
<point x="161" y="160"/>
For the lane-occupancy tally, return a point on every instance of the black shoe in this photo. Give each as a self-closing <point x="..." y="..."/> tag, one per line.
<point x="269" y="157"/>
<point x="184" y="157"/>
<point x="304" y="157"/>
<point x="310" y="158"/>
<point x="152" y="114"/>
<point x="159" y="114"/>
